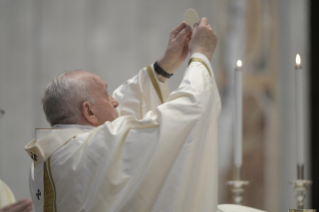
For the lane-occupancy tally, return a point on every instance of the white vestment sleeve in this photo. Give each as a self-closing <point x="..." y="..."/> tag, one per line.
<point x="168" y="160"/>
<point x="141" y="94"/>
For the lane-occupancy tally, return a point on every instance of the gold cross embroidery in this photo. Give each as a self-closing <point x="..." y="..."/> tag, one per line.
<point x="34" y="156"/>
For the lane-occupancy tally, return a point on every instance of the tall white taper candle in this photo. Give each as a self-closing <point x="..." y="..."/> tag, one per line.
<point x="299" y="112"/>
<point x="238" y="116"/>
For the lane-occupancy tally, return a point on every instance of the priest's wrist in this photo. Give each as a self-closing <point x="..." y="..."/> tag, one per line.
<point x="162" y="75"/>
<point x="167" y="64"/>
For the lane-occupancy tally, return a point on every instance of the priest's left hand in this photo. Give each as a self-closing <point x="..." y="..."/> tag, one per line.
<point x="24" y="205"/>
<point x="177" y="49"/>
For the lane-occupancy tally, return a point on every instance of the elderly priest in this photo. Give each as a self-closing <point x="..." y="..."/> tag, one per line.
<point x="141" y="149"/>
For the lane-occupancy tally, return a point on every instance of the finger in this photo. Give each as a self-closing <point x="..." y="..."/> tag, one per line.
<point x="195" y="28"/>
<point x="178" y="29"/>
<point x="188" y="39"/>
<point x="30" y="208"/>
<point x="21" y="206"/>
<point x="203" y="21"/>
<point x="27" y="209"/>
<point x="181" y="37"/>
<point x="9" y="207"/>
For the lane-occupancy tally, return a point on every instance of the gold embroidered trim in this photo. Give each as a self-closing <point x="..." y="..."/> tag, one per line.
<point x="33" y="156"/>
<point x="201" y="61"/>
<point x="49" y="188"/>
<point x="155" y="83"/>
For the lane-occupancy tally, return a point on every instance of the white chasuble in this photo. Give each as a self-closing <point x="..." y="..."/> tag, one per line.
<point x="160" y="155"/>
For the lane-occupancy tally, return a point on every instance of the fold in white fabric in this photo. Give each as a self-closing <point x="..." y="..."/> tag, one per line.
<point x="159" y="157"/>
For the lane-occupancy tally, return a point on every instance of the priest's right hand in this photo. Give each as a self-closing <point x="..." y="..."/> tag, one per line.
<point x="24" y="205"/>
<point x="204" y="40"/>
<point x="177" y="49"/>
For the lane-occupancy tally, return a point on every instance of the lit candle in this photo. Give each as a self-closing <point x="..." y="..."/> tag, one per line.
<point x="238" y="116"/>
<point x="299" y="111"/>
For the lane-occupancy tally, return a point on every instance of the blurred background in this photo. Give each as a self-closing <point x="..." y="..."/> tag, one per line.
<point x="116" y="38"/>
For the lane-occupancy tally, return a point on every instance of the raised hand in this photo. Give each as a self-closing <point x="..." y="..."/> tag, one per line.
<point x="204" y="40"/>
<point x="177" y="49"/>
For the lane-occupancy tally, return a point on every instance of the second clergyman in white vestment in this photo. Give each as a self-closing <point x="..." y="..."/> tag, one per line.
<point x="159" y="155"/>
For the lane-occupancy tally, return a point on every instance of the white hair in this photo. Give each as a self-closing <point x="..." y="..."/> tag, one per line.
<point x="64" y="96"/>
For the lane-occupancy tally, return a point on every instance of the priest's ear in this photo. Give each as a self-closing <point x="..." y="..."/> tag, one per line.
<point x="89" y="113"/>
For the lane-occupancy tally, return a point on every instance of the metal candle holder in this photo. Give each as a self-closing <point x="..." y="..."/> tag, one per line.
<point x="301" y="186"/>
<point x="237" y="186"/>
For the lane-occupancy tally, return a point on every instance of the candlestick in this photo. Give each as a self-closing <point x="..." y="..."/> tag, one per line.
<point x="238" y="184"/>
<point x="301" y="185"/>
<point x="299" y="113"/>
<point x="237" y="189"/>
<point x="238" y="116"/>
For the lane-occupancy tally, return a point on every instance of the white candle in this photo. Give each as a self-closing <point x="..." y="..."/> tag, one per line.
<point x="299" y="111"/>
<point x="238" y="116"/>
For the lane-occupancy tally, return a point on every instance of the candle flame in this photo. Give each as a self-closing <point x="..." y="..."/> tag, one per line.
<point x="298" y="60"/>
<point x="239" y="63"/>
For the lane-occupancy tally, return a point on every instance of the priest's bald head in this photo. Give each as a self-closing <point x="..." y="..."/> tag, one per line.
<point x="78" y="97"/>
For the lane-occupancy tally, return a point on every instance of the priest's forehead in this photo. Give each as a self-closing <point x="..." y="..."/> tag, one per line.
<point x="94" y="80"/>
<point x="98" y="80"/>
